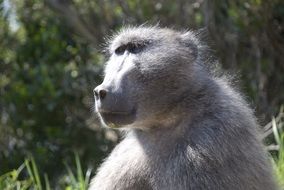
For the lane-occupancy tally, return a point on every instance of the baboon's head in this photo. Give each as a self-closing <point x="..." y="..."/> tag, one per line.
<point x="147" y="75"/>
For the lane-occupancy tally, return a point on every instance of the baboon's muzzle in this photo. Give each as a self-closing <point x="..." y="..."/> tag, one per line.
<point x="113" y="107"/>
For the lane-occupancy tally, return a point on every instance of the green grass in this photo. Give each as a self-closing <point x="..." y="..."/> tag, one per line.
<point x="274" y="138"/>
<point x="279" y="163"/>
<point x="33" y="180"/>
<point x="278" y="133"/>
<point x="27" y="175"/>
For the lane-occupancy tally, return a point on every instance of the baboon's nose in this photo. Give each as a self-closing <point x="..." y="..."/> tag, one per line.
<point x="100" y="93"/>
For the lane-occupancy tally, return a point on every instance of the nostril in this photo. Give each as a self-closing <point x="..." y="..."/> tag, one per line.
<point x="102" y="94"/>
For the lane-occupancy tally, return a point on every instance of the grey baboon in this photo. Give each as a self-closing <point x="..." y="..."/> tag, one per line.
<point x="185" y="127"/>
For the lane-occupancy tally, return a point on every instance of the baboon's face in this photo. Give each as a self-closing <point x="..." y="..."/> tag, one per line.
<point x="145" y="76"/>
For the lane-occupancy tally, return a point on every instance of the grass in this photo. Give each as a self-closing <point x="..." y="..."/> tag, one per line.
<point x="278" y="133"/>
<point x="32" y="179"/>
<point x="279" y="163"/>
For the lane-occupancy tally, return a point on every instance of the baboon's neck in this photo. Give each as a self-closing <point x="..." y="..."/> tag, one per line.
<point x="196" y="106"/>
<point x="159" y="140"/>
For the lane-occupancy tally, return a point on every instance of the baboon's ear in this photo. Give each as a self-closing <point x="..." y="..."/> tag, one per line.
<point x="189" y="40"/>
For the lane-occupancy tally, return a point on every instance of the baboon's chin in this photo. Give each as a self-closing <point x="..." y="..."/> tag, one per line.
<point x="118" y="119"/>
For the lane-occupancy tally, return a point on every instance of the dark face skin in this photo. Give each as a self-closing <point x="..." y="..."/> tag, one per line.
<point x="141" y="81"/>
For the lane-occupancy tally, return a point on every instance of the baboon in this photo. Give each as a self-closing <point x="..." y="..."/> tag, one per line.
<point x="185" y="127"/>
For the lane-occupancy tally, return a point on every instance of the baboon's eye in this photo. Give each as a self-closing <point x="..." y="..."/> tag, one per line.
<point x="120" y="50"/>
<point x="130" y="47"/>
<point x="135" y="47"/>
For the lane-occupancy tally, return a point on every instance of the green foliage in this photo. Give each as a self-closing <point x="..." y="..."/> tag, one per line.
<point x="280" y="163"/>
<point x="46" y="91"/>
<point x="79" y="181"/>
<point x="32" y="179"/>
<point x="278" y="133"/>
<point x="11" y="180"/>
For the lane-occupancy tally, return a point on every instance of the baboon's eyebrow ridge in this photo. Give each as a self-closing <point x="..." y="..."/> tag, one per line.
<point x="138" y="42"/>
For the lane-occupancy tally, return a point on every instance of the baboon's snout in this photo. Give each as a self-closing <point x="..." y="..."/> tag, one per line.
<point x="109" y="100"/>
<point x="113" y="106"/>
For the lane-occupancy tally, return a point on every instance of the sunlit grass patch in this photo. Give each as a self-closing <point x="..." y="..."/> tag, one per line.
<point x="27" y="176"/>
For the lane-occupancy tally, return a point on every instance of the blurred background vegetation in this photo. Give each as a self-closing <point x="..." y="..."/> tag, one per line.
<point x="51" y="58"/>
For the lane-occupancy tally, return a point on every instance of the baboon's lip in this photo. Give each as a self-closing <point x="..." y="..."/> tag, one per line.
<point x="115" y="112"/>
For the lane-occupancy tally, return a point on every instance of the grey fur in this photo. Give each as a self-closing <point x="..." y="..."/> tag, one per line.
<point x="185" y="128"/>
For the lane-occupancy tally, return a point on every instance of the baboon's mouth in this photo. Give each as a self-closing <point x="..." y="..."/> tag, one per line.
<point x="118" y="118"/>
<point x="114" y="112"/>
